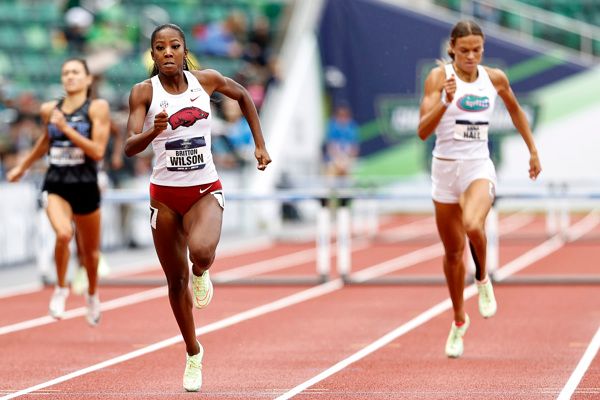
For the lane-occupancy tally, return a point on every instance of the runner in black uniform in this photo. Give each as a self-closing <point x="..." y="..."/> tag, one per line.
<point x="75" y="138"/>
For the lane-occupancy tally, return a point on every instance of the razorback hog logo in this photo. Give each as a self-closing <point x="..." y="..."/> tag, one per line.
<point x="186" y="117"/>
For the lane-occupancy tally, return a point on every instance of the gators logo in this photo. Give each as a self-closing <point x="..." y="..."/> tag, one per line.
<point x="186" y="117"/>
<point x="471" y="102"/>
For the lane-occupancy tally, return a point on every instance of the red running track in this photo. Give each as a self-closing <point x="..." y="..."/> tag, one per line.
<point x="527" y="351"/>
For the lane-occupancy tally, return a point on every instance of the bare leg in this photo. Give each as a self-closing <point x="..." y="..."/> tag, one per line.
<point x="476" y="203"/>
<point x="60" y="216"/>
<point x="202" y="224"/>
<point x="88" y="231"/>
<point x="170" y="244"/>
<point x="449" y="223"/>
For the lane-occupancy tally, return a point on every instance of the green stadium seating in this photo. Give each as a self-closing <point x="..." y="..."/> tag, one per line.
<point x="29" y="32"/>
<point x="582" y="10"/>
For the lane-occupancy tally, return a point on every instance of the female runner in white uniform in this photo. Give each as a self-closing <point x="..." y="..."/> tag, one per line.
<point x="171" y="110"/>
<point x="457" y="104"/>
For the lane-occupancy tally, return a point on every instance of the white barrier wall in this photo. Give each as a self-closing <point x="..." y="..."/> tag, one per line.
<point x="18" y="212"/>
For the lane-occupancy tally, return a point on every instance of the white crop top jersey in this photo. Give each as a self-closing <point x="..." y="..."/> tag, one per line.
<point x="182" y="152"/>
<point x="462" y="133"/>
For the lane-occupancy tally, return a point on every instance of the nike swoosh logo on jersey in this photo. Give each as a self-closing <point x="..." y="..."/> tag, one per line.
<point x="204" y="190"/>
<point x="194" y="98"/>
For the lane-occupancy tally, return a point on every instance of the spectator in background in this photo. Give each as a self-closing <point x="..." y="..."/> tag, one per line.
<point x="112" y="32"/>
<point x="221" y="38"/>
<point x="78" y="21"/>
<point x="341" y="143"/>
<point x="258" y="49"/>
<point x="24" y="131"/>
<point x="237" y="129"/>
<point x="114" y="162"/>
<point x="259" y="70"/>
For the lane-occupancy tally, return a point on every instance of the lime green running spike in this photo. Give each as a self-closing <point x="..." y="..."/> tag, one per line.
<point x="192" y="376"/>
<point x="202" y="289"/>
<point x="487" y="300"/>
<point x="454" y="344"/>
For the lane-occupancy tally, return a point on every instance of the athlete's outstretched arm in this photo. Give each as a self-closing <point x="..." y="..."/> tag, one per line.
<point x="139" y="102"/>
<point x="40" y="148"/>
<point x="215" y="82"/>
<point x="502" y="85"/>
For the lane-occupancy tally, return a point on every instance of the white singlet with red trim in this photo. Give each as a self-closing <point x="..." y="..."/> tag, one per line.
<point x="182" y="152"/>
<point x="462" y="133"/>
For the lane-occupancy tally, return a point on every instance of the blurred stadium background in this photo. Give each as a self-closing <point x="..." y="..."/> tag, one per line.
<point x="300" y="60"/>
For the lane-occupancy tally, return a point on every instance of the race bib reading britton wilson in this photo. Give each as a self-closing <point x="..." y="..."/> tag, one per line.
<point x="186" y="154"/>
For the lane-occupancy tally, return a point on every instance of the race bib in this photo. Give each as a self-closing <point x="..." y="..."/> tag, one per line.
<point x="471" y="130"/>
<point x="186" y="154"/>
<point x="66" y="156"/>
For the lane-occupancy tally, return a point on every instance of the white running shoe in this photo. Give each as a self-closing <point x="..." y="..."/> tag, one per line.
<point x="202" y="289"/>
<point x="79" y="284"/>
<point x="57" y="302"/>
<point x="192" y="376"/>
<point x="454" y="344"/>
<point x="103" y="267"/>
<point x="487" y="300"/>
<point x="92" y="305"/>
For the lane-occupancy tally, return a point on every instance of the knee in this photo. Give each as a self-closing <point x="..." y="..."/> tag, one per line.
<point x="64" y="236"/>
<point x="473" y="226"/>
<point x="178" y="285"/>
<point x="455" y="257"/>
<point x="93" y="257"/>
<point x="202" y="255"/>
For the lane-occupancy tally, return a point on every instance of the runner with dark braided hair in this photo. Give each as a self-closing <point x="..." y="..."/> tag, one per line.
<point x="171" y="111"/>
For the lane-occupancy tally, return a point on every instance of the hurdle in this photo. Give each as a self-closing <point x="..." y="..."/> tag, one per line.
<point x="337" y="225"/>
<point x="556" y="206"/>
<point x="323" y="198"/>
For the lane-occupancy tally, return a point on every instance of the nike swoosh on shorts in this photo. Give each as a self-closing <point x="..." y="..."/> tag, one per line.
<point x="202" y="191"/>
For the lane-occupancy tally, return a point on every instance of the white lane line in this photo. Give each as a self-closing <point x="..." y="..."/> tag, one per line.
<point x="150" y="263"/>
<point x="273" y="264"/>
<point x="578" y="230"/>
<point x="401" y="262"/>
<point x="582" y="366"/>
<point x="412" y="229"/>
<point x="513" y="222"/>
<point x="304" y="256"/>
<point x="522" y="261"/>
<point x="276" y="305"/>
<point x="80" y="311"/>
<point x="158" y="292"/>
<point x="270" y="265"/>
<point x="261" y="310"/>
<point x="224" y="250"/>
<point x="379" y="343"/>
<point x="584" y="226"/>
<point x="531" y="256"/>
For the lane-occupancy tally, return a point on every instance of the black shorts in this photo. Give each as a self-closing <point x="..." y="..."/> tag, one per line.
<point x="84" y="198"/>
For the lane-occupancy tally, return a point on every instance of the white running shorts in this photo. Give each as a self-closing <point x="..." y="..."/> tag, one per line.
<point x="450" y="178"/>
